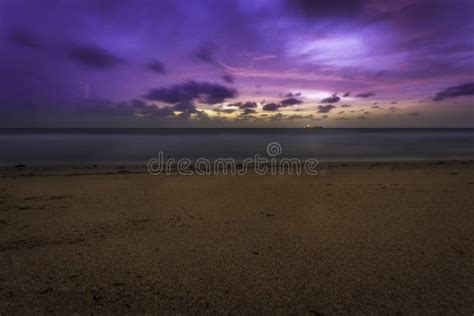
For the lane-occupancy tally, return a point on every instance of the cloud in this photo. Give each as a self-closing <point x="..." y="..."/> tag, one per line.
<point x="290" y="95"/>
<point x="414" y="113"/>
<point x="376" y="107"/>
<point x="275" y="106"/>
<point x="219" y="109"/>
<point x="366" y="95"/>
<point x="206" y="53"/>
<point x="271" y="107"/>
<point x="377" y="75"/>
<point x="93" y="56"/>
<point x="347" y="94"/>
<point x="156" y="66"/>
<point x="290" y="102"/>
<point x="332" y="99"/>
<point x="299" y="117"/>
<point x="392" y="109"/>
<point x="345" y="106"/>
<point x="22" y="37"/>
<point x="143" y="109"/>
<point x="248" y="111"/>
<point x="159" y="112"/>
<point x="209" y="93"/>
<point x="277" y="117"/>
<point x="137" y="103"/>
<point x="185" y="107"/>
<point x="228" y="78"/>
<point x="325" y="108"/>
<point x="455" y="91"/>
<point x="313" y="9"/>
<point x="244" y="105"/>
<point x="135" y="107"/>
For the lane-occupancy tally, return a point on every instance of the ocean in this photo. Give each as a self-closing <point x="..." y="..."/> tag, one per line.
<point x="66" y="147"/>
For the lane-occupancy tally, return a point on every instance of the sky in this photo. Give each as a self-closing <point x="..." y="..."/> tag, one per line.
<point x="228" y="63"/>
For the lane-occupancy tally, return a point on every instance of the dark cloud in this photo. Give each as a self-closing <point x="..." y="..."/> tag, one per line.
<point x="290" y="102"/>
<point x="365" y="95"/>
<point x="220" y="109"/>
<point x="347" y="94"/>
<point x="325" y="108"/>
<point x="156" y="66"/>
<point x="271" y="107"/>
<point x="159" y="111"/>
<point x="414" y="113"/>
<point x="185" y="107"/>
<point x="377" y="75"/>
<point x="206" y="53"/>
<point x="376" y="107"/>
<point x="455" y="91"/>
<point x="93" y="56"/>
<point x="209" y="93"/>
<point x="282" y="104"/>
<point x="345" y="106"/>
<point x="248" y="105"/>
<point x="290" y="95"/>
<point x="393" y="102"/>
<point x="332" y="99"/>
<point x="135" y="107"/>
<point x="277" y="117"/>
<point x="313" y="9"/>
<point x="22" y="37"/>
<point x="228" y="78"/>
<point x="248" y="111"/>
<point x="300" y="117"/>
<point x="137" y="103"/>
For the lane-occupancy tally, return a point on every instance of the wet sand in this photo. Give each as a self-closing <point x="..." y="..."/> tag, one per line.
<point x="393" y="237"/>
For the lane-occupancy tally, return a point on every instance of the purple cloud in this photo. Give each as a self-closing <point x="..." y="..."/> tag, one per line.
<point x="455" y="91"/>
<point x="209" y="93"/>
<point x="332" y="99"/>
<point x="23" y="37"/>
<point x="271" y="107"/>
<point x="228" y="78"/>
<point x="290" y="102"/>
<point x="366" y="95"/>
<point x="325" y="108"/>
<point x="156" y="66"/>
<point x="93" y="56"/>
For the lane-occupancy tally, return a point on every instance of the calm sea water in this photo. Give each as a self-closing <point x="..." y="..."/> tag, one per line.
<point x="136" y="146"/>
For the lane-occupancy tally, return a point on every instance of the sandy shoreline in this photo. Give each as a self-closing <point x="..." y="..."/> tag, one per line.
<point x="366" y="237"/>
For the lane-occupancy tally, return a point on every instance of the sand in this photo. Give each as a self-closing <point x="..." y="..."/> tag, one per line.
<point x="393" y="237"/>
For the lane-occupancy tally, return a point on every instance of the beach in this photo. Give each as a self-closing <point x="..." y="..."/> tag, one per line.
<point x="393" y="237"/>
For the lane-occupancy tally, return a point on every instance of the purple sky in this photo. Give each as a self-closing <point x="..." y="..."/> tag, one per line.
<point x="255" y="63"/>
